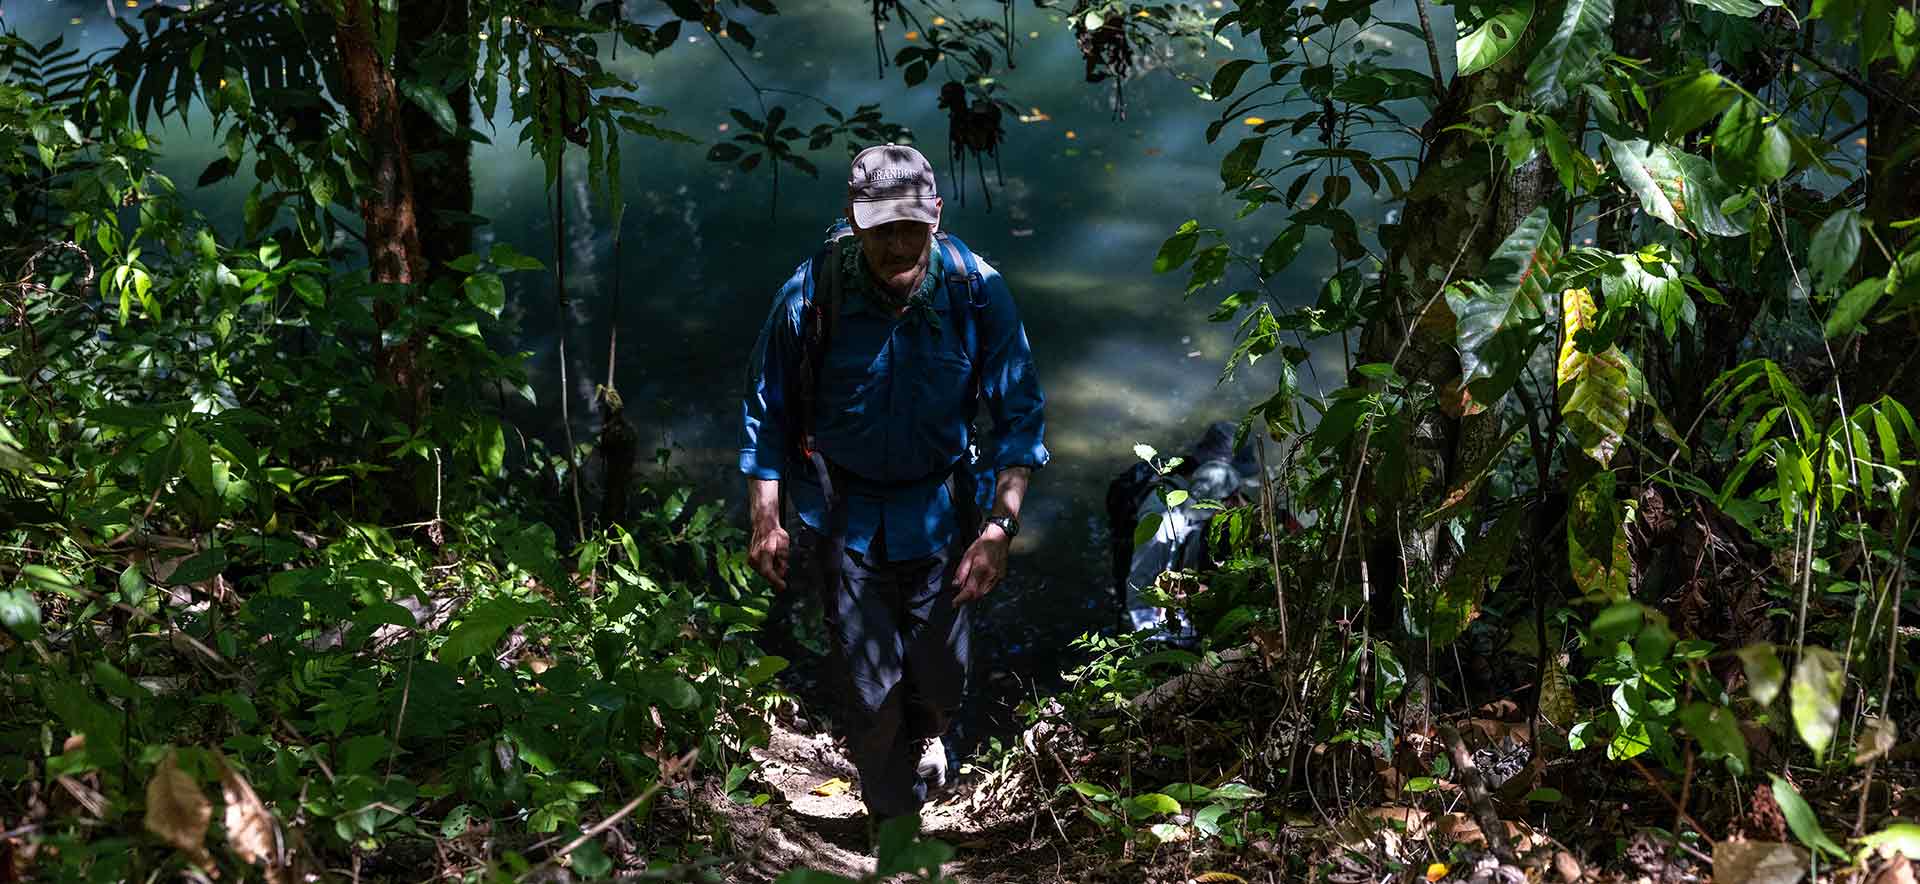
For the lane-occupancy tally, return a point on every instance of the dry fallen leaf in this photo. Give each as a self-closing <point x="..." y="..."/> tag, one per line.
<point x="831" y="787"/>
<point x="176" y="810"/>
<point x="1219" y="878"/>
<point x="1758" y="862"/>
<point x="249" y="823"/>
<point x="1875" y="740"/>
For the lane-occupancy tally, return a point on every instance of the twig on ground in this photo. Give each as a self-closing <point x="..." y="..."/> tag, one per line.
<point x="1477" y="795"/>
<point x="1664" y="795"/>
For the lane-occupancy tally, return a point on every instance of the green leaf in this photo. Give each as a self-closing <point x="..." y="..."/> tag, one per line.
<point x="1906" y="39"/>
<point x="1903" y="838"/>
<point x="1476" y="571"/>
<point x="1227" y="78"/>
<point x="486" y="291"/>
<point x="1592" y="386"/>
<point x="1801" y="819"/>
<point x="1208" y="819"/>
<point x="1816" y="698"/>
<point x="1498" y="322"/>
<point x="1689" y="105"/>
<point x="1645" y="169"/>
<point x="1765" y="675"/>
<point x="1748" y="148"/>
<point x="434" y="102"/>
<point x="1836" y="243"/>
<point x="1545" y="795"/>
<point x="196" y="458"/>
<point x="1283" y="249"/>
<point x="1853" y="307"/>
<point x="481" y="627"/>
<point x="669" y="688"/>
<point x="1596" y="539"/>
<point x="1718" y="732"/>
<point x="198" y="569"/>
<point x="763" y="669"/>
<point x="1739" y="8"/>
<point x="1571" y="57"/>
<point x="1422" y="784"/>
<point x="1178" y="247"/>
<point x="1479" y="45"/>
<point x="1092" y="791"/>
<point x="308" y="288"/>
<point x="1237" y="168"/>
<point x="1150" y="804"/>
<point x="20" y="614"/>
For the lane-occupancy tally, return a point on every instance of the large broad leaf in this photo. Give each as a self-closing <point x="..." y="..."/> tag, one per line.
<point x="1690" y="104"/>
<point x="1740" y="8"/>
<point x="1593" y="386"/>
<point x="1596" y="535"/>
<point x="1480" y="566"/>
<point x="1801" y="819"/>
<point x="1836" y="243"/>
<point x="1480" y="44"/>
<point x="1765" y="675"/>
<point x="1816" y="698"/>
<point x="1649" y="172"/>
<point x="1497" y="322"/>
<point x="1674" y="186"/>
<point x="1718" y="731"/>
<point x="1748" y="148"/>
<point x="1572" y="56"/>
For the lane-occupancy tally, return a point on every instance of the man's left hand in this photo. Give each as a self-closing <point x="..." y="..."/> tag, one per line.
<point x="982" y="568"/>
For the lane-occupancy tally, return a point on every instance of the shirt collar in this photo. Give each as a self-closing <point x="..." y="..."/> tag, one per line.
<point x="853" y="265"/>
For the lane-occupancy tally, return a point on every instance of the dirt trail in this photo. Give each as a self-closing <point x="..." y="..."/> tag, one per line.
<point x="800" y="828"/>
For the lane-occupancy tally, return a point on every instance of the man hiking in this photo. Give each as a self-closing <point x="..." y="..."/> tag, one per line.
<point x="864" y="385"/>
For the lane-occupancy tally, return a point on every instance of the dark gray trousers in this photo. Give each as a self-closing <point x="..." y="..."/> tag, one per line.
<point x="899" y="661"/>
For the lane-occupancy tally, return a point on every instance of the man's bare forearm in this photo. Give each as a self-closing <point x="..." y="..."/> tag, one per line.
<point x="763" y="499"/>
<point x="1009" y="489"/>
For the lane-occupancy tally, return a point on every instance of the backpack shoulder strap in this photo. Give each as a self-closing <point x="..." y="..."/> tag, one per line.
<point x="820" y="315"/>
<point x="964" y="287"/>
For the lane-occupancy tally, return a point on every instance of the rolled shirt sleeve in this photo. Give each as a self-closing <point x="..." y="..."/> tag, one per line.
<point x="765" y="420"/>
<point x="1009" y="385"/>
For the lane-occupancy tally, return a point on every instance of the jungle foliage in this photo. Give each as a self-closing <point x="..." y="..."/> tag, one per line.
<point x="1626" y="409"/>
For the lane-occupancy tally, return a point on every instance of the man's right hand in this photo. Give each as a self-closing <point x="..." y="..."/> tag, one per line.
<point x="768" y="555"/>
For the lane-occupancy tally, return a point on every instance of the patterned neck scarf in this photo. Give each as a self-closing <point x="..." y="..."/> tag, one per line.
<point x="853" y="269"/>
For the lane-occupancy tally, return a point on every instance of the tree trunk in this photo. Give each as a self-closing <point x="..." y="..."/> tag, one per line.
<point x="387" y="205"/>
<point x="442" y="160"/>
<point x="1883" y="361"/>
<point x="1456" y="214"/>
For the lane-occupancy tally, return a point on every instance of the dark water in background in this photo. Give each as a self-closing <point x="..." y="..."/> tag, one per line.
<point x="1086" y="202"/>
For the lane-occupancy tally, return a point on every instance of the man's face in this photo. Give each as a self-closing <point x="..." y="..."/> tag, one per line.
<point x="895" y="250"/>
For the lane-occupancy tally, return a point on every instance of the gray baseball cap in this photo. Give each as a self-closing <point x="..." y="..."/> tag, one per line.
<point x="892" y="182"/>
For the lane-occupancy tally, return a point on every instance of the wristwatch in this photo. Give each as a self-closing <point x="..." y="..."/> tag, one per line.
<point x="1008" y="524"/>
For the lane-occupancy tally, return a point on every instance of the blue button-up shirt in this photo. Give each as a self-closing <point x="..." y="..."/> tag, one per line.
<point x="892" y="408"/>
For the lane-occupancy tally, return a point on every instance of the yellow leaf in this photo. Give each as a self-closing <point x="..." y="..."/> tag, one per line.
<point x="176" y="810"/>
<point x="1556" y="694"/>
<point x="1436" y="871"/>
<point x="831" y="787"/>
<point x="249" y="823"/>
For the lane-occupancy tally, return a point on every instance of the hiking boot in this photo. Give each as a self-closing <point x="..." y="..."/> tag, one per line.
<point x="933" y="765"/>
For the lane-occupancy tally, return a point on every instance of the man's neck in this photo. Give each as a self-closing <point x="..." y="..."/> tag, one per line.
<point x="902" y="292"/>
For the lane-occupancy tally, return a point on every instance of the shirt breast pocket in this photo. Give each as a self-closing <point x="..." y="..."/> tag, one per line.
<point x="941" y="390"/>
